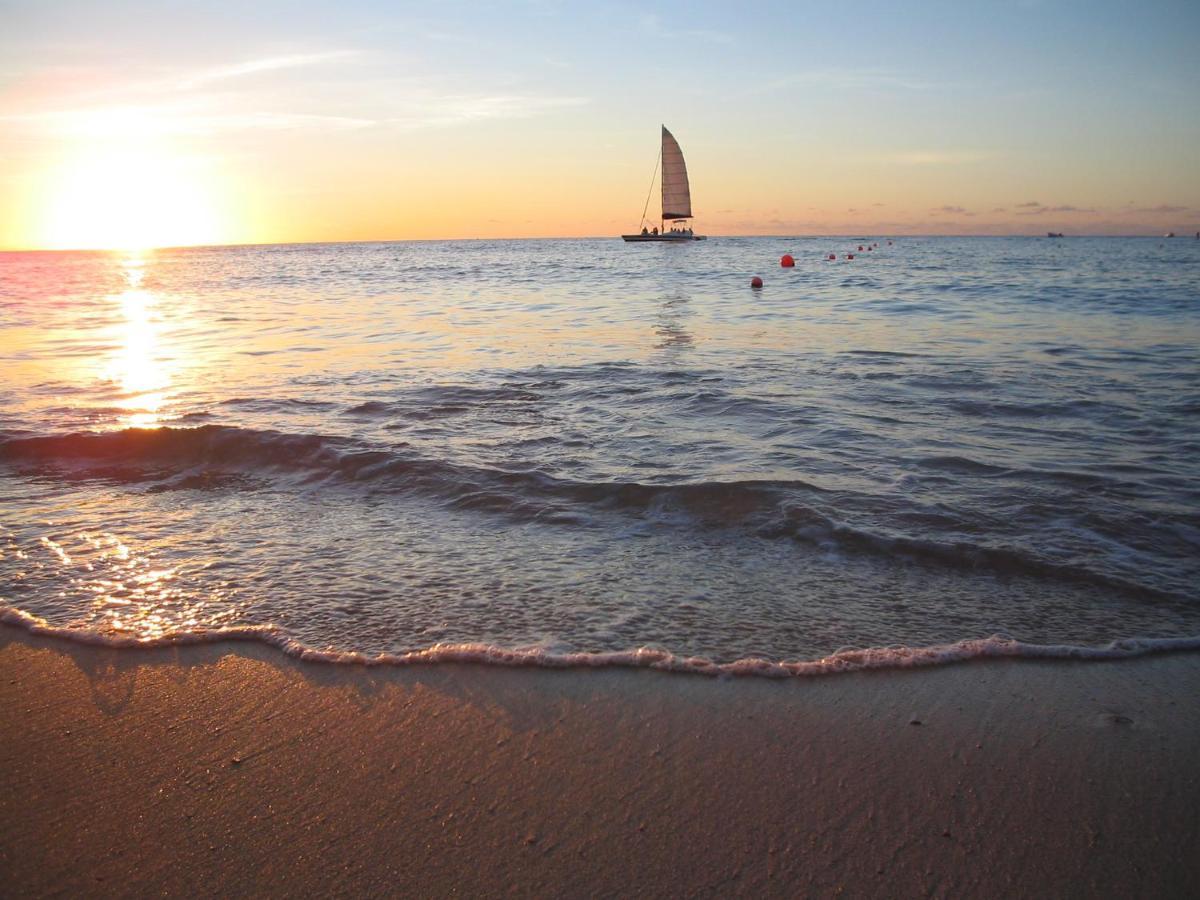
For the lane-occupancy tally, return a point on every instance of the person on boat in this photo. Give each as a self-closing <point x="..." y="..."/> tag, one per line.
<point x="654" y="230"/>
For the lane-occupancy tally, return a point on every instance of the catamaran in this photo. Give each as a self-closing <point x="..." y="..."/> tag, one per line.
<point x="676" y="198"/>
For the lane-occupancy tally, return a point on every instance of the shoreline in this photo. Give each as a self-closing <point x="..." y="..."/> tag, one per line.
<point x="840" y="662"/>
<point x="232" y="768"/>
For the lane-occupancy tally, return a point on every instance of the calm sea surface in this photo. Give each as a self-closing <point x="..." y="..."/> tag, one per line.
<point x="590" y="447"/>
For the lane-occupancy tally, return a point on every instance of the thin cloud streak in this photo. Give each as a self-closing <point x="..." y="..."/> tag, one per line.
<point x="1039" y="210"/>
<point x="199" y="118"/>
<point x="933" y="157"/>
<point x="256" y="66"/>
<point x="440" y="110"/>
<point x="181" y="106"/>
<point x="169" y="120"/>
<point x="849" y="80"/>
<point x="652" y="24"/>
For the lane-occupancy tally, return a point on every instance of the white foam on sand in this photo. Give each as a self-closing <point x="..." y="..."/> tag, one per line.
<point x="853" y="660"/>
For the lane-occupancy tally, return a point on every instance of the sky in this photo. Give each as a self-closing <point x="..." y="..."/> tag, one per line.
<point x="165" y="123"/>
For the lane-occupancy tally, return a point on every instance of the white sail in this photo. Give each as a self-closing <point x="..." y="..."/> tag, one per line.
<point x="676" y="196"/>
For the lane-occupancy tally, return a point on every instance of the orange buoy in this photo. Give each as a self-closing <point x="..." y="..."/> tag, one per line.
<point x="786" y="261"/>
<point x="755" y="282"/>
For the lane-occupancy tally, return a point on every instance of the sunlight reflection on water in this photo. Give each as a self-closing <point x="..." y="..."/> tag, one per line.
<point x="137" y="365"/>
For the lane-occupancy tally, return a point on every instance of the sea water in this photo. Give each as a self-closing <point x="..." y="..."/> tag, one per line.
<point x="581" y="451"/>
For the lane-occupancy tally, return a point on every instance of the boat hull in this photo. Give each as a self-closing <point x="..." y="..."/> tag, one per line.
<point x="660" y="238"/>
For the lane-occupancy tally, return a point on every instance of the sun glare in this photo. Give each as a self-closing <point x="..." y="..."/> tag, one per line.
<point x="128" y="199"/>
<point x="137" y="366"/>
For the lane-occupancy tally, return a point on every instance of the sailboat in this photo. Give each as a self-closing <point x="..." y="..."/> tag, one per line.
<point x="676" y="198"/>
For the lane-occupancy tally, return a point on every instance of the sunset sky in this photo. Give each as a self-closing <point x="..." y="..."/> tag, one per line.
<point x="138" y="123"/>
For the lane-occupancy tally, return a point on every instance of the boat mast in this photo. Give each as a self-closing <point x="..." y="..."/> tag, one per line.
<point x="650" y="191"/>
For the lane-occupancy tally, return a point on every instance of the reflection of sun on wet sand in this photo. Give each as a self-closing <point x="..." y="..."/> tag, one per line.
<point x="232" y="770"/>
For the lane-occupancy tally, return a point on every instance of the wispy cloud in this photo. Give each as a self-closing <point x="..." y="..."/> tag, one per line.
<point x="1036" y="209"/>
<point x="934" y="157"/>
<point x="1162" y="208"/>
<point x="652" y="23"/>
<point x="206" y="102"/>
<point x="433" y="109"/>
<point x="953" y="210"/>
<point x="135" y="84"/>
<point x="1030" y="204"/>
<point x="170" y="120"/>
<point x="256" y="66"/>
<point x="865" y="79"/>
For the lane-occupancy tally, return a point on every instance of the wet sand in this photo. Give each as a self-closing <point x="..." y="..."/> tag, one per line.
<point x="232" y="769"/>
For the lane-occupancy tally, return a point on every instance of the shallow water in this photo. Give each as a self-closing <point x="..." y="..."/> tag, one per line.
<point x="588" y="447"/>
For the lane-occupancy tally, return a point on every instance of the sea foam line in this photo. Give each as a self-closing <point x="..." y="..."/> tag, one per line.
<point x="843" y="661"/>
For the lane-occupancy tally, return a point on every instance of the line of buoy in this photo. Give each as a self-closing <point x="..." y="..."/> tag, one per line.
<point x="787" y="261"/>
<point x="862" y="248"/>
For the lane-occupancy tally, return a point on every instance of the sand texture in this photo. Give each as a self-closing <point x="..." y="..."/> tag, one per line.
<point x="232" y="770"/>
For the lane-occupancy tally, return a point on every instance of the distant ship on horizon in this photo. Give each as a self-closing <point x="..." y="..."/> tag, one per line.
<point x="676" y="198"/>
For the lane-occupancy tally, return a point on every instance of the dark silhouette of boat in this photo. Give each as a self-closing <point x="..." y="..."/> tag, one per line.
<point x="676" y="198"/>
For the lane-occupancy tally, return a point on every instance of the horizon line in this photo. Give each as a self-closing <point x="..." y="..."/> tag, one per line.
<point x="581" y="237"/>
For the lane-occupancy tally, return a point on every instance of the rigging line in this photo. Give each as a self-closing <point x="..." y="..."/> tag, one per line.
<point x="650" y="192"/>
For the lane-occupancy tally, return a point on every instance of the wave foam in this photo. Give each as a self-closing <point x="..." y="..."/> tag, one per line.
<point x="843" y="661"/>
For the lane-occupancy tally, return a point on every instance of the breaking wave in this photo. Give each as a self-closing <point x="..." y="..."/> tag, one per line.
<point x="216" y="456"/>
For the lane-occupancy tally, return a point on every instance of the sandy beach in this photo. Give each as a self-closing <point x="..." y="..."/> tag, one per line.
<point x="232" y="769"/>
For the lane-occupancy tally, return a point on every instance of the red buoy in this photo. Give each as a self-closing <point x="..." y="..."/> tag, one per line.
<point x="889" y="243"/>
<point x="849" y="256"/>
<point x="870" y="248"/>
<point x="860" y="248"/>
<point x="755" y="282"/>
<point x="833" y="256"/>
<point x="786" y="261"/>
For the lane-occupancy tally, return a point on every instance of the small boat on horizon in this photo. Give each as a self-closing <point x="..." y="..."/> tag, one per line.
<point x="676" y="198"/>
<point x="1054" y="234"/>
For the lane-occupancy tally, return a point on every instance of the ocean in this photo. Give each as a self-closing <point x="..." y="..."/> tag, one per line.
<point x="581" y="452"/>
